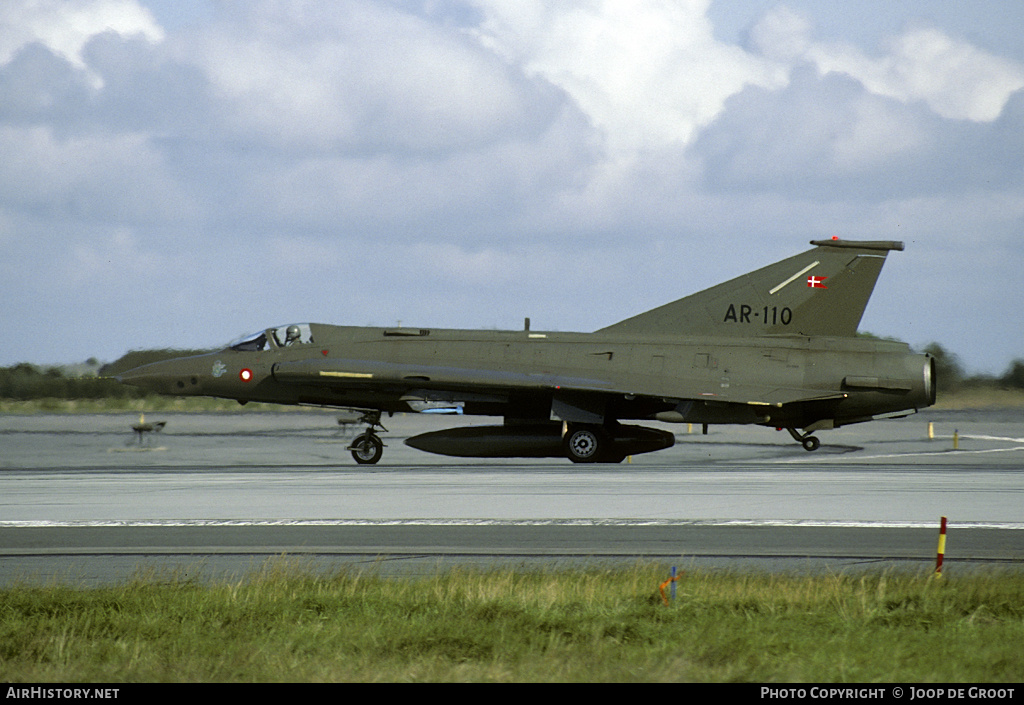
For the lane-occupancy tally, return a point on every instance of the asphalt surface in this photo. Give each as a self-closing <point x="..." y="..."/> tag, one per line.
<point x="83" y="499"/>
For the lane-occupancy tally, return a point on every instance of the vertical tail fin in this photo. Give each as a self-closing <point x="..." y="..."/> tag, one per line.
<point x="822" y="291"/>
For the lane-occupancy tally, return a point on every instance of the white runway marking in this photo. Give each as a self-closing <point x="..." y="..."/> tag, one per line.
<point x="521" y="522"/>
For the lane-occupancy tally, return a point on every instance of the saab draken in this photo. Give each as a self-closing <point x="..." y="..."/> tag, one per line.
<point x="777" y="347"/>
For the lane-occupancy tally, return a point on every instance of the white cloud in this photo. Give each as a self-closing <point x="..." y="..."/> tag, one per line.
<point x="118" y="255"/>
<point x="782" y="35"/>
<point x="360" y="76"/>
<point x="65" y="26"/>
<point x="102" y="177"/>
<point x="456" y="264"/>
<point x="823" y="136"/>
<point x="650" y="73"/>
<point x="955" y="79"/>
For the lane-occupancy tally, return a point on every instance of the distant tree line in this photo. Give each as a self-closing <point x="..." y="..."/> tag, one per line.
<point x="26" y="382"/>
<point x="951" y="375"/>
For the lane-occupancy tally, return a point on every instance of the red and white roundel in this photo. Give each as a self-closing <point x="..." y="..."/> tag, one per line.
<point x="245" y="375"/>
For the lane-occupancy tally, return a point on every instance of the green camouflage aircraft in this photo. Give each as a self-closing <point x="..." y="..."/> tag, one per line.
<point x="776" y="347"/>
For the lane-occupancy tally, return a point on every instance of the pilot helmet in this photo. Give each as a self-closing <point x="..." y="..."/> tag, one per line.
<point x="292" y="333"/>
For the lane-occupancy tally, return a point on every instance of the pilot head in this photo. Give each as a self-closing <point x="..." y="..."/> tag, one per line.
<point x="292" y="335"/>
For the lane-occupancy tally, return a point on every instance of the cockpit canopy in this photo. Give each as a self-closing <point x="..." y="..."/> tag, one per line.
<point x="277" y="337"/>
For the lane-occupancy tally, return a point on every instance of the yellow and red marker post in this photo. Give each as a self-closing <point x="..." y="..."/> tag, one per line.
<point x="942" y="549"/>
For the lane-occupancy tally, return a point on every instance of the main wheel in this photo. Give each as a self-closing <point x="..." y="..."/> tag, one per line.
<point x="810" y="443"/>
<point x="367" y="449"/>
<point x="584" y="445"/>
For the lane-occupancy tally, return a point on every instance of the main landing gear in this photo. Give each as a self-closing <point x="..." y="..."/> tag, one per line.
<point x="368" y="447"/>
<point x="590" y="444"/>
<point x="808" y="441"/>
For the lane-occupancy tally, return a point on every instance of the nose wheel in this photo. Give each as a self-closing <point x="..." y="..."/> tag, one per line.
<point x="367" y="448"/>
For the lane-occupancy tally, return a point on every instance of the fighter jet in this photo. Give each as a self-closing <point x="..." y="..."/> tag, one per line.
<point x="777" y="347"/>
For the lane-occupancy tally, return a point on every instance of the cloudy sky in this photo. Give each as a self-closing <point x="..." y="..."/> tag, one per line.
<point x="177" y="174"/>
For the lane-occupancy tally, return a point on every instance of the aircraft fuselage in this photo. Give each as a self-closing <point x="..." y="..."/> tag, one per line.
<point x="514" y="375"/>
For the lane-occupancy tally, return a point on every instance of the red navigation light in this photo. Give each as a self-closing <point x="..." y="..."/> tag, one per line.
<point x="245" y="375"/>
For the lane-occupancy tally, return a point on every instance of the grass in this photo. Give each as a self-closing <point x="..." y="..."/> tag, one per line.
<point x="981" y="398"/>
<point x="284" y="623"/>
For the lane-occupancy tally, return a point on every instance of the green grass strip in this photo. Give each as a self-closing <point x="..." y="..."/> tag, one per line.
<point x="287" y="623"/>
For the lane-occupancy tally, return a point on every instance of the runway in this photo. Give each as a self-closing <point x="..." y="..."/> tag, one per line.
<point x="81" y="500"/>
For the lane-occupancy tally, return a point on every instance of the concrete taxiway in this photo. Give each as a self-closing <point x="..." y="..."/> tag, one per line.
<point x="81" y="499"/>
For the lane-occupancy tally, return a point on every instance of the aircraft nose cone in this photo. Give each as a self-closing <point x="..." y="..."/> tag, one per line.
<point x="148" y="377"/>
<point x="169" y="377"/>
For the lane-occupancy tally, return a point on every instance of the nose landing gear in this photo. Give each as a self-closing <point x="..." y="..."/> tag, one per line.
<point x="367" y="448"/>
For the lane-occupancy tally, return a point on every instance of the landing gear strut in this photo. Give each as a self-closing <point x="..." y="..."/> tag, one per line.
<point x="368" y="447"/>
<point x="808" y="441"/>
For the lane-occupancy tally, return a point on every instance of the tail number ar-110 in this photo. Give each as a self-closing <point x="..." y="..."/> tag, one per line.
<point x="772" y="315"/>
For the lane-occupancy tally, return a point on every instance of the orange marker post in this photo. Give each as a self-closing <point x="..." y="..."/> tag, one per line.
<point x="942" y="549"/>
<point x="671" y="581"/>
